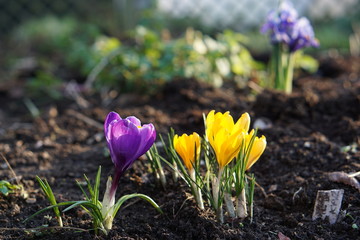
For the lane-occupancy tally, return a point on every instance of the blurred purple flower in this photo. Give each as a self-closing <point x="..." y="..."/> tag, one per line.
<point x="280" y="23"/>
<point x="302" y="35"/>
<point x="285" y="27"/>
<point x="127" y="141"/>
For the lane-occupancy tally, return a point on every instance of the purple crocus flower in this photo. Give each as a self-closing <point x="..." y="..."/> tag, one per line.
<point x="302" y="35"/>
<point x="280" y="23"/>
<point x="127" y="141"/>
<point x="285" y="27"/>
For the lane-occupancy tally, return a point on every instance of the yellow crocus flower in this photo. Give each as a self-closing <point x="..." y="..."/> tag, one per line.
<point x="257" y="149"/>
<point x="225" y="136"/>
<point x="185" y="146"/>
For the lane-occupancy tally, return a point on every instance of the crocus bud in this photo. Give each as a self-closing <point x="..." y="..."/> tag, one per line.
<point x="188" y="147"/>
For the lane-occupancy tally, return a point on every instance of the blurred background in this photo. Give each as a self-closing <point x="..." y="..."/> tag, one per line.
<point x="55" y="40"/>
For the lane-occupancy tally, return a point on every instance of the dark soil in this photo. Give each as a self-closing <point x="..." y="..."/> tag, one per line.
<point x="309" y="130"/>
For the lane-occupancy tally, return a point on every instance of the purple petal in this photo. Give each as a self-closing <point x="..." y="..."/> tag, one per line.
<point x="148" y="136"/>
<point x="134" y="120"/>
<point x="303" y="35"/>
<point x="125" y="148"/>
<point x="111" y="117"/>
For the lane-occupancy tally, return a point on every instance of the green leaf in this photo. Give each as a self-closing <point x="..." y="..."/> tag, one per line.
<point x="48" y="208"/>
<point x="306" y="62"/>
<point x="6" y="188"/>
<point x="96" y="186"/>
<point x="129" y="196"/>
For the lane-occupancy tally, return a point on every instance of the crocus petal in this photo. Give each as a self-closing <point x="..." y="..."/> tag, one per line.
<point x="125" y="142"/>
<point x="257" y="151"/>
<point x="302" y="35"/>
<point x="147" y="138"/>
<point x="243" y="123"/>
<point x="134" y="120"/>
<point x="111" y="117"/>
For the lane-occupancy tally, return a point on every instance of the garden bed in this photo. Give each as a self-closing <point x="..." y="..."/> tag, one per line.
<point x="313" y="131"/>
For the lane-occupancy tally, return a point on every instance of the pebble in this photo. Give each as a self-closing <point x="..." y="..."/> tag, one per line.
<point x="31" y="200"/>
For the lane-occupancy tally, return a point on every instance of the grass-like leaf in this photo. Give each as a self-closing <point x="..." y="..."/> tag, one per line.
<point x="48" y="208"/>
<point x="129" y="196"/>
<point x="51" y="197"/>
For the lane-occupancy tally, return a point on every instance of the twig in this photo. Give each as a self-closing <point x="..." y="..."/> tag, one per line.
<point x="85" y="119"/>
<point x="295" y="194"/>
<point x="35" y="112"/>
<point x="43" y="228"/>
<point x="354" y="174"/>
<point x="98" y="68"/>
<point x="261" y="188"/>
<point x="11" y="170"/>
<point x="256" y="87"/>
<point x="182" y="205"/>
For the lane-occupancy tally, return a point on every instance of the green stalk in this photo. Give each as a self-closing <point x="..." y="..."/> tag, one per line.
<point x="241" y="208"/>
<point x="155" y="163"/>
<point x="251" y="196"/>
<point x="289" y="73"/>
<point x="227" y="192"/>
<point x="196" y="190"/>
<point x="278" y="66"/>
<point x="217" y="196"/>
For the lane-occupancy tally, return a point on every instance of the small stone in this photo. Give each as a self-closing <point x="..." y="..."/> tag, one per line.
<point x="15" y="209"/>
<point x="262" y="123"/>
<point x="31" y="200"/>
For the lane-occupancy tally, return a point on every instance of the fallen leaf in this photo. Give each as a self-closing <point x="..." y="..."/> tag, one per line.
<point x="282" y="236"/>
<point x="342" y="177"/>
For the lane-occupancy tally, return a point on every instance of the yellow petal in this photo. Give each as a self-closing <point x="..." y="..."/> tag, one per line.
<point x="243" y="122"/>
<point x="257" y="150"/>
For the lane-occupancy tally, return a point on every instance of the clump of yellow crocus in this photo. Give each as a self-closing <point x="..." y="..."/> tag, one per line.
<point x="225" y="138"/>
<point x="189" y="147"/>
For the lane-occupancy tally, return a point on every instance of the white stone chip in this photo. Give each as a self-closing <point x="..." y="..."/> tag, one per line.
<point x="328" y="204"/>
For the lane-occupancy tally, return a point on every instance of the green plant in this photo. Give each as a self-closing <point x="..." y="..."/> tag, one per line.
<point x="51" y="198"/>
<point x="7" y="188"/>
<point x="288" y="34"/>
<point x="127" y="140"/>
<point x="151" y="61"/>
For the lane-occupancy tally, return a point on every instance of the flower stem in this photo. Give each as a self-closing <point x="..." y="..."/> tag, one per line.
<point x="216" y="196"/>
<point x="289" y="73"/>
<point x="278" y="67"/>
<point x="196" y="190"/>
<point x="229" y="204"/>
<point x="241" y="208"/>
<point x="59" y="219"/>
<point x="109" y="201"/>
